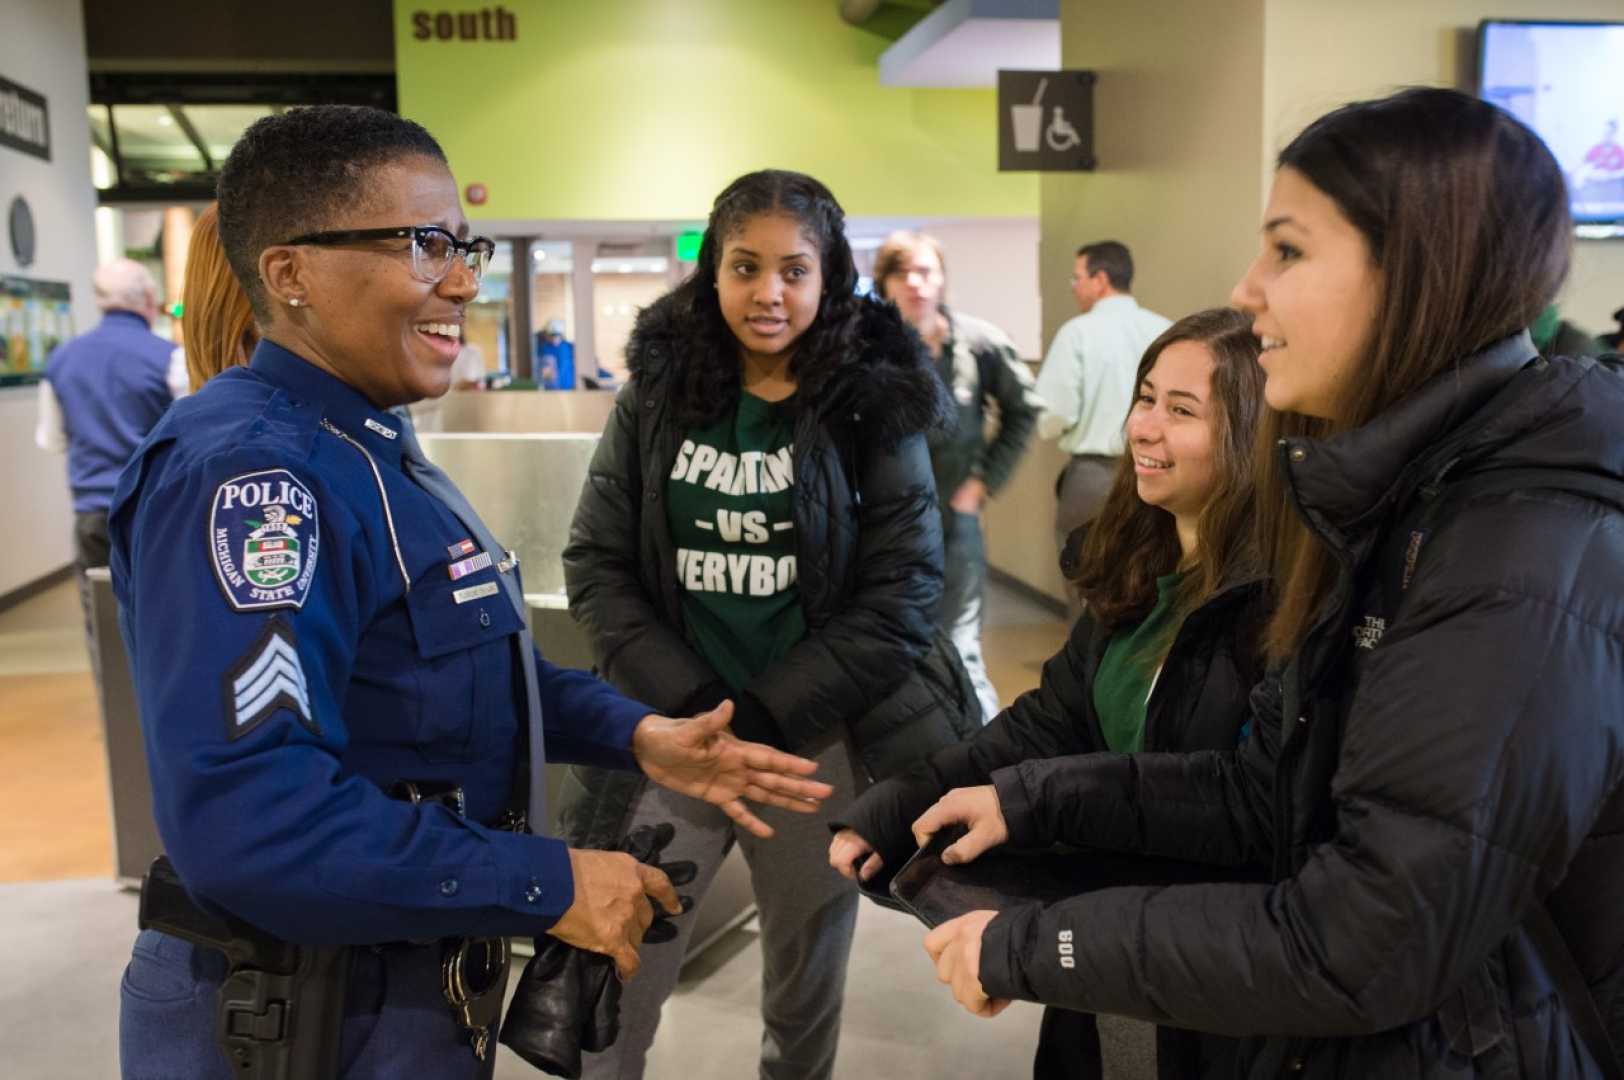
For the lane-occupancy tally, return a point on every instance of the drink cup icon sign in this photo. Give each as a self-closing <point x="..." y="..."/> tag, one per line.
<point x="1027" y="121"/>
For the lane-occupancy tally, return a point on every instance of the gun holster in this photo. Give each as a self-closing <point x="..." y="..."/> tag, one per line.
<point x="281" y="1006"/>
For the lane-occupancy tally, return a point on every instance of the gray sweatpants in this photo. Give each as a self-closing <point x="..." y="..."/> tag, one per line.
<point x="807" y="913"/>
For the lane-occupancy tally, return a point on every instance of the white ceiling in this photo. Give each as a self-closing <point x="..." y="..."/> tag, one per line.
<point x="965" y="43"/>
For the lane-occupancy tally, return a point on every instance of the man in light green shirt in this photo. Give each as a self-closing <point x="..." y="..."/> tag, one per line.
<point x="1086" y="381"/>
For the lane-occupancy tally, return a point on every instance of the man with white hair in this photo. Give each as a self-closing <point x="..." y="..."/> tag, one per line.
<point x="102" y="392"/>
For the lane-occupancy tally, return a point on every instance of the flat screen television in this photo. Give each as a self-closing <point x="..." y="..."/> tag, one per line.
<point x="1566" y="81"/>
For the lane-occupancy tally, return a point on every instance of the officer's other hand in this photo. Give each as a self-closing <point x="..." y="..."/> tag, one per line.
<point x="611" y="909"/>
<point x="974" y="807"/>
<point x="847" y="848"/>
<point x="955" y="949"/>
<point x="701" y="757"/>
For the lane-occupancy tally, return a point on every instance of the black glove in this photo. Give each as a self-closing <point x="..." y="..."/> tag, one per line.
<point x="644" y="844"/>
<point x="568" y="999"/>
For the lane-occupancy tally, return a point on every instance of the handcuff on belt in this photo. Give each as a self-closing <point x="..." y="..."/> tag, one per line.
<point x="473" y="971"/>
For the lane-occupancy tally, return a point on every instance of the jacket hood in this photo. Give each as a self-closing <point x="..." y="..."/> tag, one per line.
<point x="1500" y="408"/>
<point x="887" y="386"/>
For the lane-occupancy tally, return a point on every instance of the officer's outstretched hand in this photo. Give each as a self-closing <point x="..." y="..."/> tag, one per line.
<point x="975" y="807"/>
<point x="611" y="909"/>
<point x="701" y="757"/>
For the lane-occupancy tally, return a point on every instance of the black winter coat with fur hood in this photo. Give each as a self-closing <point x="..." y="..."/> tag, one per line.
<point x="868" y="543"/>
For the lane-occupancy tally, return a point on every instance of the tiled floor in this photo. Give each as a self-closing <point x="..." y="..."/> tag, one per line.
<point x="67" y="930"/>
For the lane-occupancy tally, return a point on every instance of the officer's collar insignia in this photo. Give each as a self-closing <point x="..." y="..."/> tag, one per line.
<point x="263" y="537"/>
<point x="268" y="678"/>
<point x="382" y="429"/>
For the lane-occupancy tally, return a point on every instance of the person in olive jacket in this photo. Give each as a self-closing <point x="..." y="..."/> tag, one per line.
<point x="991" y="390"/>
<point x="1435" y="769"/>
<point x="1165" y="653"/>
<point x="759" y="526"/>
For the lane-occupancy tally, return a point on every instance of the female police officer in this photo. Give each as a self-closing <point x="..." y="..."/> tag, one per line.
<point x="315" y="617"/>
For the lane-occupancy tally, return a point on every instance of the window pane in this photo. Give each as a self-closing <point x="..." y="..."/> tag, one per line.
<point x="154" y="147"/>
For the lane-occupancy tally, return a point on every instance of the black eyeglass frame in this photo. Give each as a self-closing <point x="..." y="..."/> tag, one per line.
<point x="475" y="245"/>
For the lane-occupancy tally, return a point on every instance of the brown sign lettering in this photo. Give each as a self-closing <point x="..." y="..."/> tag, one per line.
<point x="486" y="24"/>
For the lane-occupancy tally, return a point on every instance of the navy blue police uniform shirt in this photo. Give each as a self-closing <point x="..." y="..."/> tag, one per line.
<point x="287" y="677"/>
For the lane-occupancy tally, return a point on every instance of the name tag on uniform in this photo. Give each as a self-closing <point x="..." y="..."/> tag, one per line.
<point x="464" y="567"/>
<point x="476" y="592"/>
<point x="381" y="429"/>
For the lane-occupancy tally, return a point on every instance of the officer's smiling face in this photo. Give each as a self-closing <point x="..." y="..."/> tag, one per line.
<point x="372" y="320"/>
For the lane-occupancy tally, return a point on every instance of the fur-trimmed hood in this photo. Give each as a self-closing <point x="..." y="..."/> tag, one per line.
<point x="888" y="386"/>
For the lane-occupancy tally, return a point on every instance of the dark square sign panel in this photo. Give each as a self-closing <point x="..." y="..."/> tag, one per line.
<point x="1046" y="121"/>
<point x="24" y="122"/>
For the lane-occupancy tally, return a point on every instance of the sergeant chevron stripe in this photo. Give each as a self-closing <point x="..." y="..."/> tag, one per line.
<point x="267" y="679"/>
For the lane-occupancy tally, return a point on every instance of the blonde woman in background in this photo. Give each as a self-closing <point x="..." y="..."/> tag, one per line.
<point x="217" y="325"/>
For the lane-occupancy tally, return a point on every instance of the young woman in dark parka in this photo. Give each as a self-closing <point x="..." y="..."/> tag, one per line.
<point x="1174" y="602"/>
<point x="760" y="525"/>
<point x="1442" y="802"/>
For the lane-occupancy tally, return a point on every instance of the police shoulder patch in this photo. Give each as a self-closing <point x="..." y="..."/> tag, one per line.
<point x="269" y="677"/>
<point x="263" y="537"/>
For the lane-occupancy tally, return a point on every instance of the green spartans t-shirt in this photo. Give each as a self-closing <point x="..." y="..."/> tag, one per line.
<point x="730" y="502"/>
<point x="1128" y="670"/>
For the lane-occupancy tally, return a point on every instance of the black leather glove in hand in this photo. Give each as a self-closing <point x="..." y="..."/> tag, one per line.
<point x="568" y="999"/>
<point x="644" y="844"/>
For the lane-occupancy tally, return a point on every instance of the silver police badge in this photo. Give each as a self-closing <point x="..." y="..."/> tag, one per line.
<point x="263" y="537"/>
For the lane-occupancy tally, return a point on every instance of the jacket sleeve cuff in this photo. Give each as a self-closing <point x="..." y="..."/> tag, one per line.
<point x="884" y="815"/>
<point x="1015" y="802"/>
<point x="1003" y="943"/>
<point x="539" y="884"/>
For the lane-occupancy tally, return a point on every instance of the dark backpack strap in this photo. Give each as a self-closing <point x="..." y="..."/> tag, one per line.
<point x="1583" y="1015"/>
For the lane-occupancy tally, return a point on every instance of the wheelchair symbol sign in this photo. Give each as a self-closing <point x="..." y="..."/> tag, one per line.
<point x="1039" y="115"/>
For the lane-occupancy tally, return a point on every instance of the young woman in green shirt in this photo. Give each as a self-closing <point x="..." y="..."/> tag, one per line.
<point x="760" y="527"/>
<point x="1167" y="647"/>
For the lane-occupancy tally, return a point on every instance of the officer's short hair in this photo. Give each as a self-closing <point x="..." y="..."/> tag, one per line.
<point x="290" y="174"/>
<point x="1113" y="258"/>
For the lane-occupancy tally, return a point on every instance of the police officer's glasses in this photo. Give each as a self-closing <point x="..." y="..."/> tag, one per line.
<point x="433" y="248"/>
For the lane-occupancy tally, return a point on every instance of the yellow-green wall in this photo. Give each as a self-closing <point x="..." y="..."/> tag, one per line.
<point x="645" y="109"/>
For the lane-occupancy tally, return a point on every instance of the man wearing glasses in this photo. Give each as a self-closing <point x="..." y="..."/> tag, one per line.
<point x="1086" y="381"/>
<point x="345" y="717"/>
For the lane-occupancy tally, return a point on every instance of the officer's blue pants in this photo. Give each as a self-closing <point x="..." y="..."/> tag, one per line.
<point x="396" y="1021"/>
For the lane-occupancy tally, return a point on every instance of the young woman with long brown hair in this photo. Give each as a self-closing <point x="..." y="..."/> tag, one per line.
<point x="1166" y="649"/>
<point x="1435" y="772"/>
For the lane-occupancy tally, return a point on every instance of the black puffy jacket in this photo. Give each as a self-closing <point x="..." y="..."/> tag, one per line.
<point x="1200" y="702"/>
<point x="868" y="549"/>
<point x="1450" y="761"/>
